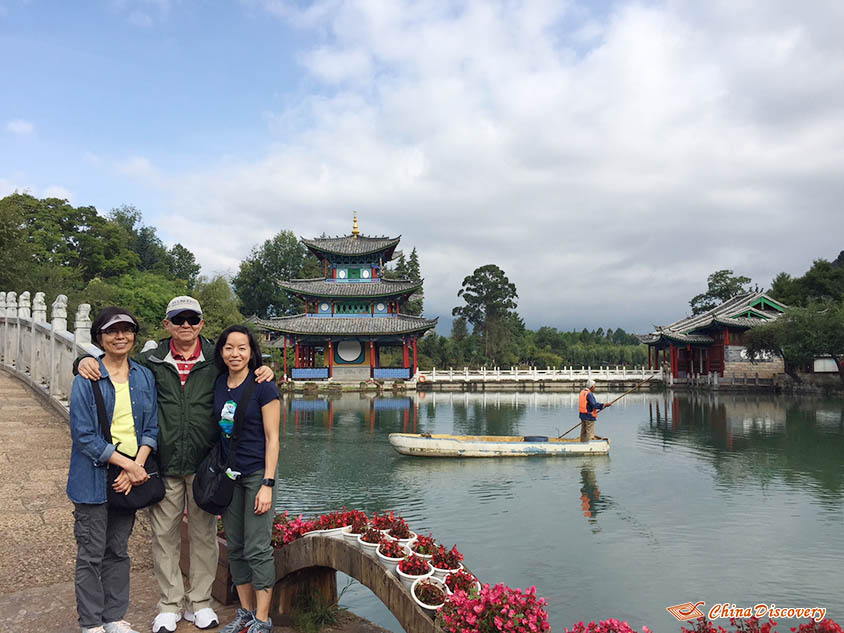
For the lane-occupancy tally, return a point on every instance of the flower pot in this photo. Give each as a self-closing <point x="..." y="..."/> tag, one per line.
<point x="351" y="539"/>
<point x="334" y="532"/>
<point x="402" y="541"/>
<point x="407" y="580"/>
<point x="389" y="563"/>
<point x="313" y="533"/>
<point x="428" y="608"/>
<point x="442" y="573"/>
<point x="368" y="548"/>
<point x="476" y="585"/>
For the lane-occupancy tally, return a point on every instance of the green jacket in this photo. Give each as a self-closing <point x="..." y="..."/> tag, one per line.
<point x="186" y="428"/>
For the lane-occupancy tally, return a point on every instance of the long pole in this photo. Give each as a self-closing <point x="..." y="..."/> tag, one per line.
<point x="606" y="405"/>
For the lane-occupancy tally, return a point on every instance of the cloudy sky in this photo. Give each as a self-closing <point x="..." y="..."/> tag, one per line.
<point x="608" y="156"/>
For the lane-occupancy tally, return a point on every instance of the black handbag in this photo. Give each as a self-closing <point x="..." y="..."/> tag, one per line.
<point x="140" y="496"/>
<point x="212" y="487"/>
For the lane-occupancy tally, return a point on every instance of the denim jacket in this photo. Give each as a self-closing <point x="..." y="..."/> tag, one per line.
<point x="89" y="455"/>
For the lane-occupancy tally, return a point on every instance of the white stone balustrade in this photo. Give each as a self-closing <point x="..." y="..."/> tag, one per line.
<point x="534" y="374"/>
<point x="39" y="352"/>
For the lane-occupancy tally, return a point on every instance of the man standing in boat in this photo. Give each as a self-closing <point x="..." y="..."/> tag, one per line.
<point x="589" y="407"/>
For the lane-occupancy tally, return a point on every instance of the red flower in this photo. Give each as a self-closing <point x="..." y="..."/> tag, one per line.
<point x="446" y="559"/>
<point x="414" y="566"/>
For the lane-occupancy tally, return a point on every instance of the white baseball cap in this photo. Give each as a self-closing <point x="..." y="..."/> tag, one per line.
<point x="182" y="304"/>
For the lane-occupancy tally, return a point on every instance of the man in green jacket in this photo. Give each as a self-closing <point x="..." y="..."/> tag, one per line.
<point x="184" y="370"/>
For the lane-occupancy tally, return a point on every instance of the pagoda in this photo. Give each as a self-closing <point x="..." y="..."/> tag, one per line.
<point x="351" y="314"/>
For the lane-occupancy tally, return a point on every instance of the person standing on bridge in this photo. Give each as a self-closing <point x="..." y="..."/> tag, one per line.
<point x="102" y="532"/>
<point x="184" y="376"/>
<point x="248" y="521"/>
<point x="588" y="407"/>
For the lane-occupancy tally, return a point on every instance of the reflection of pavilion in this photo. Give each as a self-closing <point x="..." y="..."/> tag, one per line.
<point x="351" y="314"/>
<point x="363" y="408"/>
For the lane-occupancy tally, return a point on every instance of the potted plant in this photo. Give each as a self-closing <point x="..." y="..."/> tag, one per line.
<point x="369" y="541"/>
<point x="498" y="608"/>
<point x="429" y="593"/>
<point x="462" y="580"/>
<point x="412" y="568"/>
<point x="423" y="546"/>
<point x="383" y="521"/>
<point x="446" y="561"/>
<point x="356" y="527"/>
<point x="390" y="553"/>
<point x="331" y="524"/>
<point x="400" y="531"/>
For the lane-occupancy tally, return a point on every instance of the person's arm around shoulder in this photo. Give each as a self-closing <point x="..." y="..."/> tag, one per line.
<point x="264" y="374"/>
<point x="87" y="367"/>
<point x="271" y="416"/>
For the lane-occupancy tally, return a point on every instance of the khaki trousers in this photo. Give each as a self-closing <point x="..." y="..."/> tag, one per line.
<point x="587" y="430"/>
<point x="166" y="523"/>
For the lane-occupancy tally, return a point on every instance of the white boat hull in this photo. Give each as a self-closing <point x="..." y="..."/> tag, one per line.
<point x="492" y="446"/>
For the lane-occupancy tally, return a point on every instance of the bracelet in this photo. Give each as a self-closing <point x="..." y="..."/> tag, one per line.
<point x="268" y="482"/>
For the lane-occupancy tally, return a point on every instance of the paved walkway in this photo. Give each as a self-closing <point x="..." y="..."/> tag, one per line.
<point x="37" y="548"/>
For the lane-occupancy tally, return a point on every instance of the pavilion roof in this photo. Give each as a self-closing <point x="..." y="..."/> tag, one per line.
<point x="353" y="245"/>
<point x="740" y="312"/>
<point x="306" y="324"/>
<point x="319" y="287"/>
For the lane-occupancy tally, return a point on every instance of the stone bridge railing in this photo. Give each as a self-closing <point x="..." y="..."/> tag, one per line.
<point x="42" y="352"/>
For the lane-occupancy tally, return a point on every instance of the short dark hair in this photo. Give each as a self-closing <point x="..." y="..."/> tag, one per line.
<point x="254" y="359"/>
<point x="106" y="315"/>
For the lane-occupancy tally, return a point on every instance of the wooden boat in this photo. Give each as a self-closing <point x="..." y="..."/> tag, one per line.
<point x="434" y="445"/>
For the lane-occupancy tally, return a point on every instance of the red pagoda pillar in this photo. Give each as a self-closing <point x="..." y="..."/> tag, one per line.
<point x="330" y="359"/>
<point x="415" y="358"/>
<point x="404" y="353"/>
<point x="296" y="361"/>
<point x="371" y="358"/>
<point x="285" y="355"/>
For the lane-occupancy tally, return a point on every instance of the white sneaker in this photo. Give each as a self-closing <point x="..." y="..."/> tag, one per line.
<point x="202" y="619"/>
<point x="96" y="629"/>
<point x="120" y="626"/>
<point x="165" y="622"/>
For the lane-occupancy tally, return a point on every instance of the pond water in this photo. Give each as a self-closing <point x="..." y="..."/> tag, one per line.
<point x="715" y="498"/>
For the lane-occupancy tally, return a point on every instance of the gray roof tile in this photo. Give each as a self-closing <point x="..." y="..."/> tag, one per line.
<point x="345" y="325"/>
<point x="351" y="245"/>
<point x="320" y="288"/>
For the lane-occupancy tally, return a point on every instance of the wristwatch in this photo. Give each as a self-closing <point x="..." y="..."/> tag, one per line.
<point x="268" y="482"/>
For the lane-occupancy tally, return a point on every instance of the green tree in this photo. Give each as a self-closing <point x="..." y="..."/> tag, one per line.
<point x="800" y="335"/>
<point x="220" y="306"/>
<point x="416" y="301"/>
<point x="723" y="285"/>
<point x="490" y="299"/>
<point x="256" y="282"/>
<point x="183" y="265"/>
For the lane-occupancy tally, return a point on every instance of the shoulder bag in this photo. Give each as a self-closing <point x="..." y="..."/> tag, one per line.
<point x="212" y="487"/>
<point x="140" y="496"/>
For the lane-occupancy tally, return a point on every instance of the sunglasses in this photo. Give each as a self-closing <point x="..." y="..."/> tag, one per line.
<point x="179" y="319"/>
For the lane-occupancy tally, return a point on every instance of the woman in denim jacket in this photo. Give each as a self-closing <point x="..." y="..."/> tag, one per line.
<point x="102" y="534"/>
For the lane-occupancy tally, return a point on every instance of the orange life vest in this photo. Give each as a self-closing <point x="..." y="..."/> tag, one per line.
<point x="583" y="404"/>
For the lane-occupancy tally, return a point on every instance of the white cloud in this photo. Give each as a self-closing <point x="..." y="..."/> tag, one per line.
<point x="20" y="127"/>
<point x="608" y="163"/>
<point x="17" y="183"/>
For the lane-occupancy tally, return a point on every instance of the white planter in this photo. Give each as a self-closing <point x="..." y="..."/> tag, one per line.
<point x="334" y="532"/>
<point x="313" y="533"/>
<point x="407" y="580"/>
<point x="368" y="548"/>
<point x="402" y="541"/>
<point x="351" y="539"/>
<point x="477" y="585"/>
<point x="390" y="563"/>
<point x="442" y="573"/>
<point x="430" y="609"/>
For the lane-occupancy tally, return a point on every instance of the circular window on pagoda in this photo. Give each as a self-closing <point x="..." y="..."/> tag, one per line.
<point x="323" y="307"/>
<point x="349" y="351"/>
<point x="341" y="274"/>
<point x="365" y="274"/>
<point x="380" y="307"/>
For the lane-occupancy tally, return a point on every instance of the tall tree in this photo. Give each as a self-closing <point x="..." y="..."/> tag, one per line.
<point x="417" y="299"/>
<point x="723" y="285"/>
<point x="801" y="334"/>
<point x="183" y="265"/>
<point x="490" y="298"/>
<point x="220" y="307"/>
<point x="256" y="283"/>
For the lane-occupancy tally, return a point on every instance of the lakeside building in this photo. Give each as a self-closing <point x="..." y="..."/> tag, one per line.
<point x="351" y="313"/>
<point x="714" y="342"/>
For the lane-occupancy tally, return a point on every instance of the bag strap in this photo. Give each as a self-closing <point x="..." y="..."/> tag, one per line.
<point x="239" y="414"/>
<point x="101" y="410"/>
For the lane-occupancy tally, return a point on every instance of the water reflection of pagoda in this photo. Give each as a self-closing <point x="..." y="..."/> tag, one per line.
<point x="351" y="313"/>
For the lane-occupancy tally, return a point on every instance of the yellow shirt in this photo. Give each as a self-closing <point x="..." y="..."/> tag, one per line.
<point x="122" y="423"/>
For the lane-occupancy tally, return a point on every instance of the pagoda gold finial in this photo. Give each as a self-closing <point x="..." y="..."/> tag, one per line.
<point x="355" y="230"/>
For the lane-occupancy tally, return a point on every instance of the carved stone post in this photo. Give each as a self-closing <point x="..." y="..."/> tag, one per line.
<point x="59" y="319"/>
<point x="39" y="308"/>
<point x="10" y="356"/>
<point x="2" y="304"/>
<point x="82" y="324"/>
<point x="24" y="306"/>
